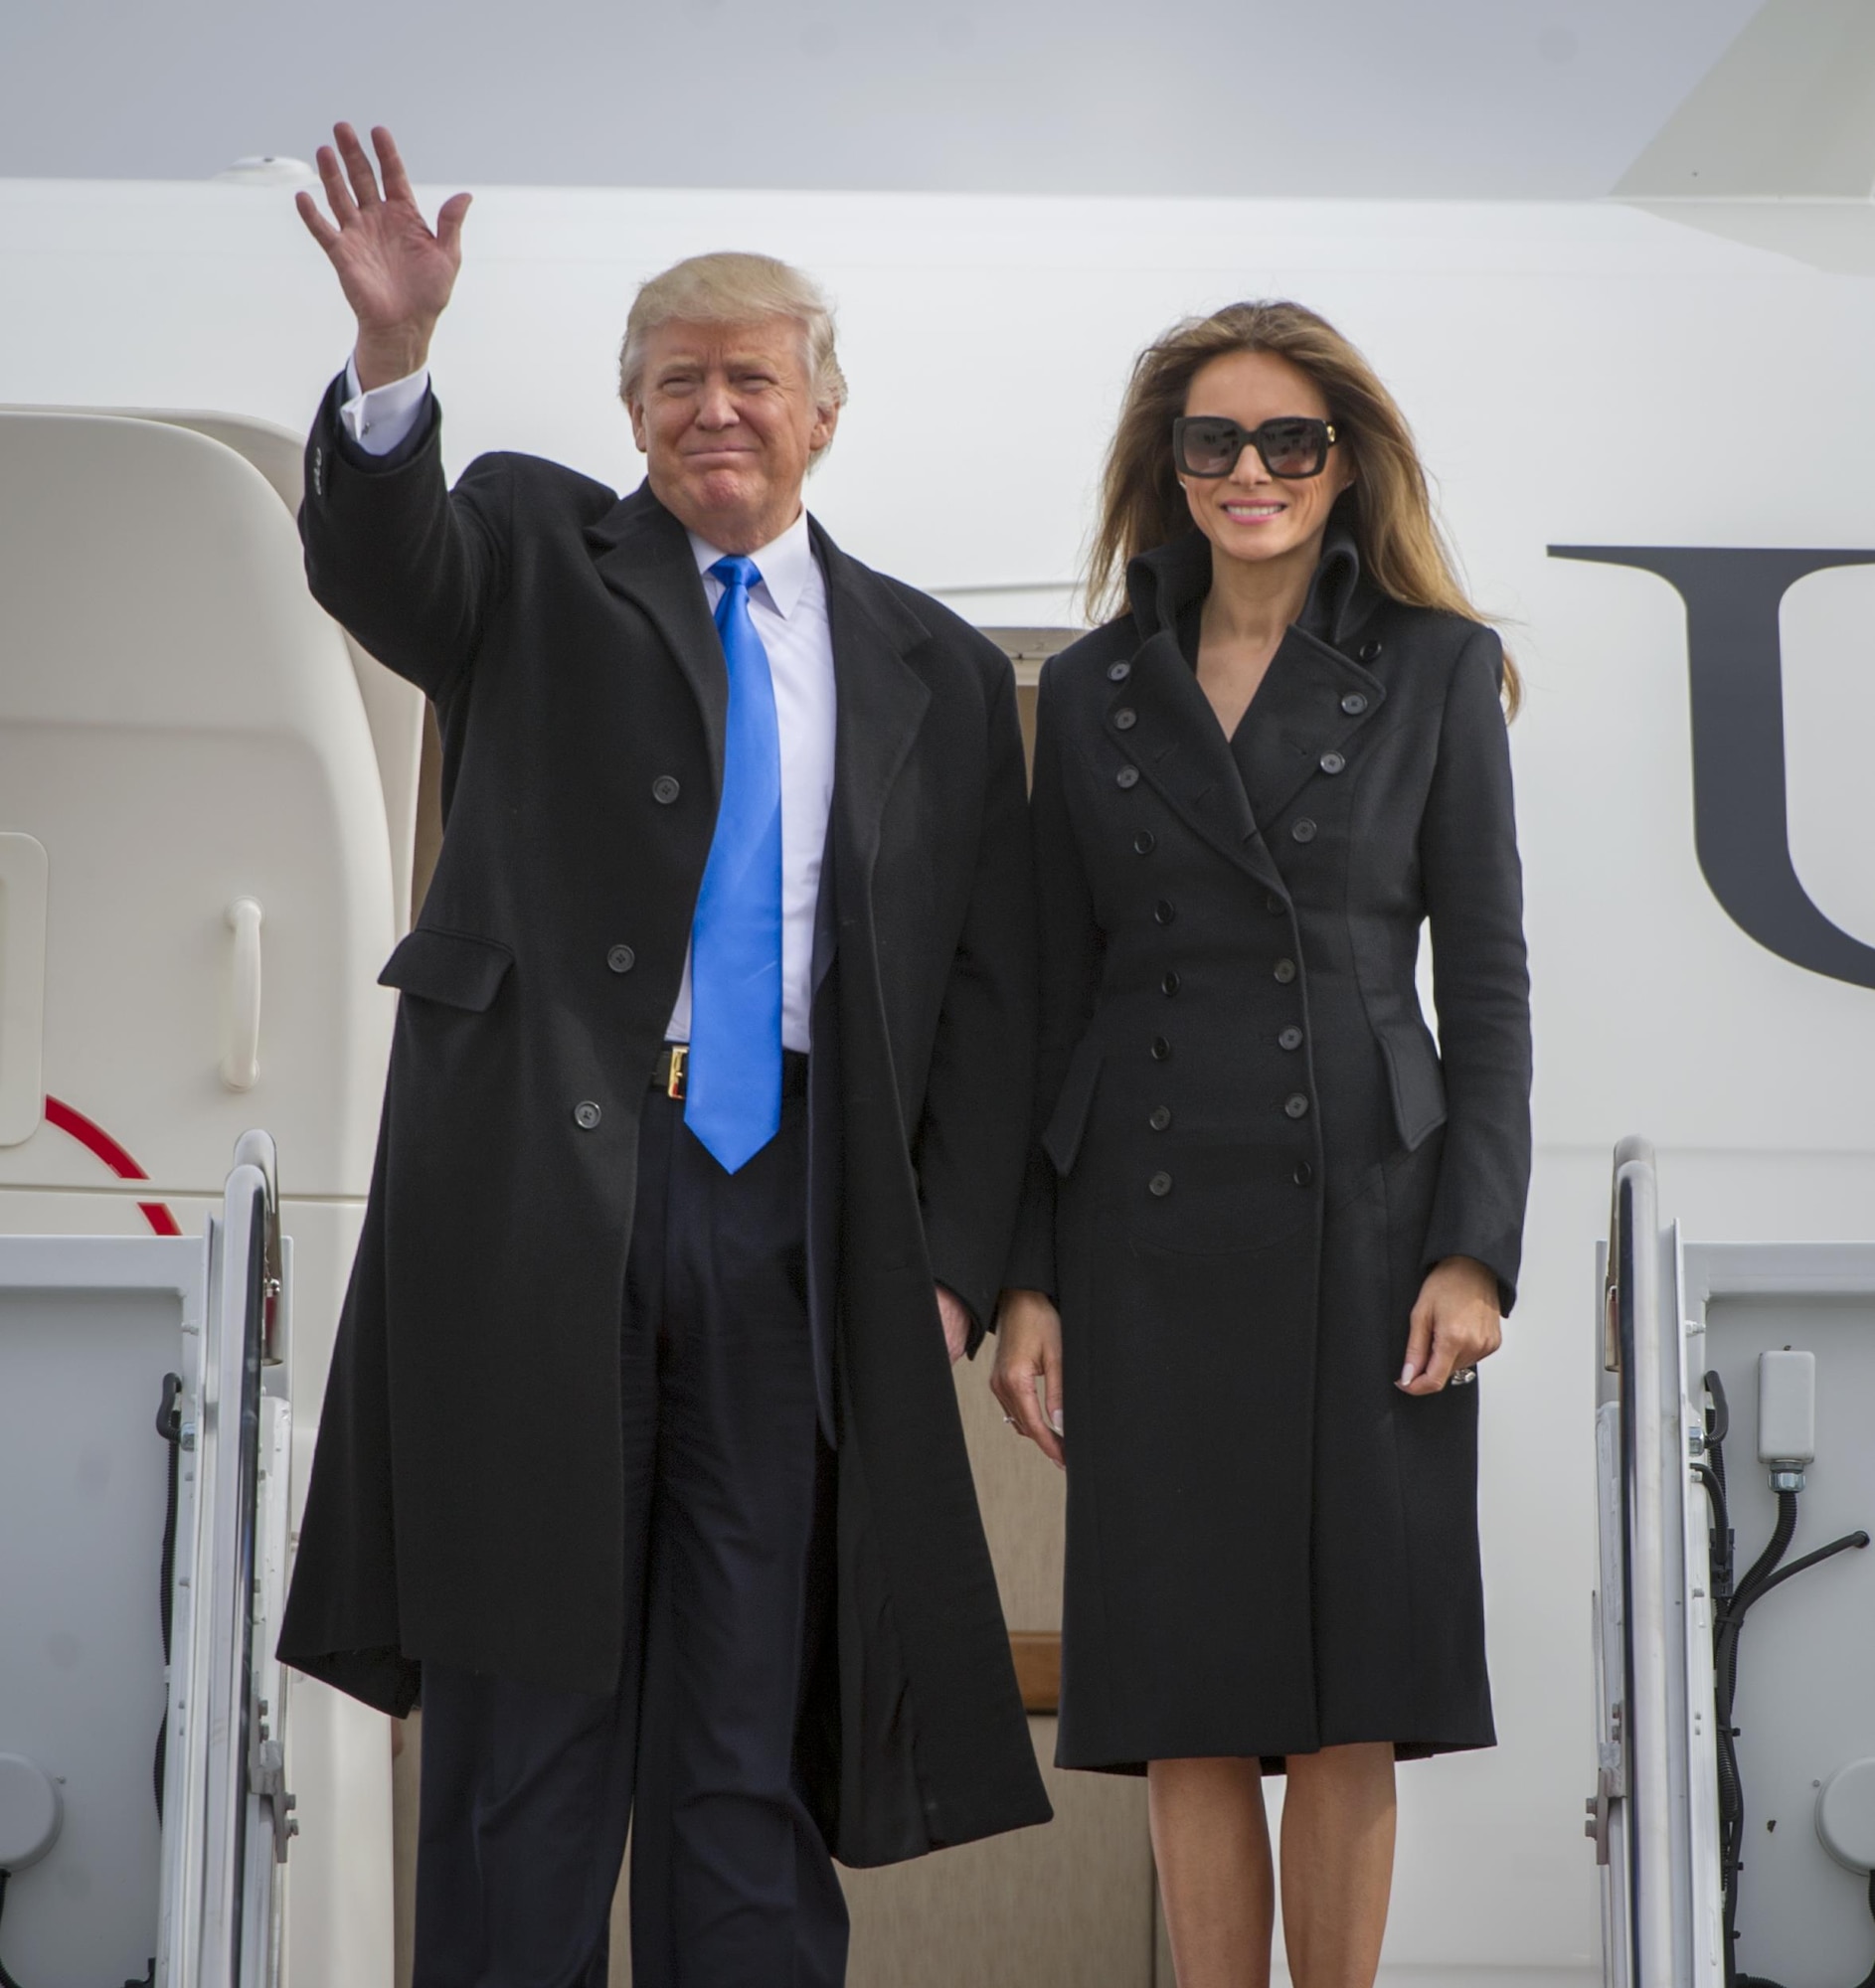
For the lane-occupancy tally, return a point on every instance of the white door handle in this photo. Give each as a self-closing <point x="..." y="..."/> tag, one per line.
<point x="240" y="1067"/>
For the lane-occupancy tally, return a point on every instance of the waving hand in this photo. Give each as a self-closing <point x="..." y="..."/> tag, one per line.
<point x="397" y="274"/>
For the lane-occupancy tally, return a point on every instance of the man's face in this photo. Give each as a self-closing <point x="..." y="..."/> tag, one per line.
<point x="725" y="415"/>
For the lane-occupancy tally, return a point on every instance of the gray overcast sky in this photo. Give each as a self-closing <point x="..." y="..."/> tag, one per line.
<point x="1497" y="98"/>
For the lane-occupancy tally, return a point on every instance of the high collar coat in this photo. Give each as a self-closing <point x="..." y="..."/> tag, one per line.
<point x="466" y="1500"/>
<point x="1251" y="1149"/>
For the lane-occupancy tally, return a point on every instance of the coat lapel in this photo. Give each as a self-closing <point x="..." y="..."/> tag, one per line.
<point x="1162" y="723"/>
<point x="643" y="554"/>
<point x="879" y="701"/>
<point x="1309" y="705"/>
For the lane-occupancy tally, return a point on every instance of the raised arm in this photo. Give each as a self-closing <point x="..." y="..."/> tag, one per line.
<point x="411" y="569"/>
<point x="395" y="272"/>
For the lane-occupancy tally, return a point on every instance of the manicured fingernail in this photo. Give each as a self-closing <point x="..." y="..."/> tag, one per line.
<point x="1054" y="1421"/>
<point x="1406" y="1374"/>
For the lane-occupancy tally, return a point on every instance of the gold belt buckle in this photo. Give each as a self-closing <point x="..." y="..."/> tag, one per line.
<point x="680" y="1066"/>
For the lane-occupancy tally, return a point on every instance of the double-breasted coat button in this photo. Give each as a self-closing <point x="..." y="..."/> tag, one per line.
<point x="1165" y="912"/>
<point x="1332" y="763"/>
<point x="1274" y="905"/>
<point x="1302" y="1174"/>
<point x="664" y="790"/>
<point x="1119" y="672"/>
<point x="1169" y="983"/>
<point x="1284" y="971"/>
<point x="621" y="959"/>
<point x="1161" y="1118"/>
<point x="1354" y="704"/>
<point x="1125" y="718"/>
<point x="1160" y="1184"/>
<point x="586" y="1115"/>
<point x="1297" y="1105"/>
<point x="1127" y="776"/>
<point x="1303" y="831"/>
<point x="1290" y="1038"/>
<point x="1369" y="652"/>
<point x="1161" y="1049"/>
<point x="1145" y="841"/>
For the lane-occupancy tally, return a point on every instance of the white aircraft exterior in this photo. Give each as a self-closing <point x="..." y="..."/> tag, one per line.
<point x="1628" y="407"/>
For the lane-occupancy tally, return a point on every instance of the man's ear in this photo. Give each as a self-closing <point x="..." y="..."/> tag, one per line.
<point x="820" y="435"/>
<point x="636" y="408"/>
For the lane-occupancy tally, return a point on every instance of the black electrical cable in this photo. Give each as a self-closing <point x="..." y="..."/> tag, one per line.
<point x="6" y="1980"/>
<point x="1784" y="1574"/>
<point x="1730" y="1606"/>
<point x="169" y="1427"/>
<point x="1778" y="1543"/>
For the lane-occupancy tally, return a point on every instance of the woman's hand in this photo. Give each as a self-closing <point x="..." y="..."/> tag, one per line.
<point x="1455" y="1324"/>
<point x="1028" y="1348"/>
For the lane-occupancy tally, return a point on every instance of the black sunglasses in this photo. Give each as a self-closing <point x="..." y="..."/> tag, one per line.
<point x="1293" y="446"/>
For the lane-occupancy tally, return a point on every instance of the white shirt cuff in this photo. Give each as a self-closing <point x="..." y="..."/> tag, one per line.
<point x="377" y="420"/>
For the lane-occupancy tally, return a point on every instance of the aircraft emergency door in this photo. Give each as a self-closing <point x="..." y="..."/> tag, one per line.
<point x="205" y="801"/>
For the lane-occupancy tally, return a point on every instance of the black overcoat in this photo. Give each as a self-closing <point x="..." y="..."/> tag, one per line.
<point x="467" y="1494"/>
<point x="1250" y="1152"/>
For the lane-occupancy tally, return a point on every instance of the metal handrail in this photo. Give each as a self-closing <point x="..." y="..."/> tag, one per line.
<point x="1652" y="1521"/>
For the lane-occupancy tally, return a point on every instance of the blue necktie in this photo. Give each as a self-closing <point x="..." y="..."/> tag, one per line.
<point x="733" y="1085"/>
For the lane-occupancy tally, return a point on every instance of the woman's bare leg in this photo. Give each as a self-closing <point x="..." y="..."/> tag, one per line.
<point x="1212" y="1846"/>
<point x="1338" y="1864"/>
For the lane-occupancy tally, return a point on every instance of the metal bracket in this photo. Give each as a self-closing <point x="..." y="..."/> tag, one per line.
<point x="267" y="1778"/>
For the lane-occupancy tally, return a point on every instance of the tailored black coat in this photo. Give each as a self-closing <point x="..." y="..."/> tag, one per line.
<point x="1251" y="1153"/>
<point x="467" y="1494"/>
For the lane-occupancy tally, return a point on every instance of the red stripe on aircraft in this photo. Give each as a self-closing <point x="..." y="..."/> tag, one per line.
<point x="95" y="1140"/>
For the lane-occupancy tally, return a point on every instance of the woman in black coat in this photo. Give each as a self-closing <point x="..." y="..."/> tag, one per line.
<point x="1272" y="1226"/>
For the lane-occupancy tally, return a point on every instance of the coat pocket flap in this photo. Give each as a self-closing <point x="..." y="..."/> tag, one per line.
<point x="1417" y="1081"/>
<point x="455" y="968"/>
<point x="1061" y="1141"/>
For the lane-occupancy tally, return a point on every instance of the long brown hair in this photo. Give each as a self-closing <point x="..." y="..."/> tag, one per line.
<point x="1143" y="505"/>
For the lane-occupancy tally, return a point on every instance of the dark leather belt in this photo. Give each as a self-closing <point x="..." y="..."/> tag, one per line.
<point x="673" y="1063"/>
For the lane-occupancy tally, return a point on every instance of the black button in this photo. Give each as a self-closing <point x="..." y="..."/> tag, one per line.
<point x="1145" y="842"/>
<point x="1161" y="1118"/>
<point x="1169" y="984"/>
<point x="664" y="790"/>
<point x="1274" y="905"/>
<point x="1161" y="1049"/>
<point x="1119" y="672"/>
<point x="621" y="959"/>
<point x="1127" y="776"/>
<point x="1303" y="831"/>
<point x="1165" y="912"/>
<point x="586" y="1115"/>
<point x="1369" y="652"/>
<point x="1285" y="970"/>
<point x="1290" y="1038"/>
<point x="1332" y="763"/>
<point x="1125" y="718"/>
<point x="1160" y="1184"/>
<point x="1302" y="1174"/>
<point x="1297" y="1105"/>
<point x="1354" y="704"/>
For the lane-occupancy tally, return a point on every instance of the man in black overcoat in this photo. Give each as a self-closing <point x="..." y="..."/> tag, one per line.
<point x="640" y="1463"/>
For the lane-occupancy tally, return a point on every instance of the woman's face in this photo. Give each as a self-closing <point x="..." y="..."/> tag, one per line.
<point x="1250" y="514"/>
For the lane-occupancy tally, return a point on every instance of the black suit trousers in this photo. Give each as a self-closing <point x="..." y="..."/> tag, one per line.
<point x="528" y="1790"/>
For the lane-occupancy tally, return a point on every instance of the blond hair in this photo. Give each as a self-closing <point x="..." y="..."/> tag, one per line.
<point x="1143" y="504"/>
<point x="733" y="289"/>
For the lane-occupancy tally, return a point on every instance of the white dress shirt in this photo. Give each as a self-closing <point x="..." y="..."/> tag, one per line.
<point x="789" y="609"/>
